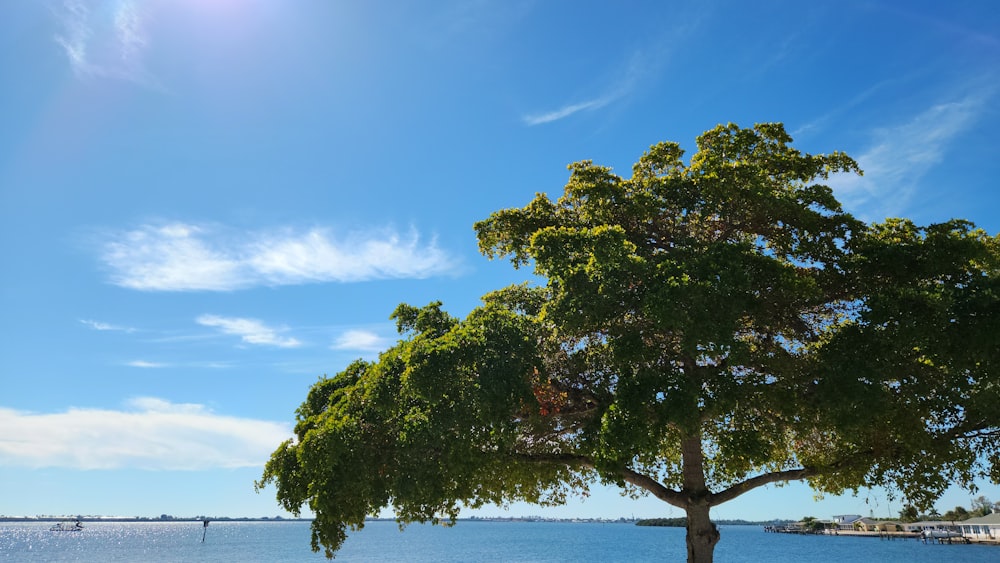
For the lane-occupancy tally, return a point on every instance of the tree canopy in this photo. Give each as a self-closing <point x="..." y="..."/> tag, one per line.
<point x="981" y="506"/>
<point x="704" y="328"/>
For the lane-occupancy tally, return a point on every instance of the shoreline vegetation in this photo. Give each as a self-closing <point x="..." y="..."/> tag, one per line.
<point x="162" y="518"/>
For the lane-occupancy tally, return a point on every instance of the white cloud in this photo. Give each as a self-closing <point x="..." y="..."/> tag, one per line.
<point x="170" y="257"/>
<point x="129" y="32"/>
<point x="638" y="67"/>
<point x="314" y="256"/>
<point x="251" y="331"/>
<point x="633" y="73"/>
<point x="102" y="326"/>
<point x="900" y="157"/>
<point x="149" y="433"/>
<point x="107" y="42"/>
<point x="182" y="257"/>
<point x="76" y="33"/>
<point x="213" y="365"/>
<point x="146" y="365"/>
<point x="567" y="111"/>
<point x="363" y="340"/>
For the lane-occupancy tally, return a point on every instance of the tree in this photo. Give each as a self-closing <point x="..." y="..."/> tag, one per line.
<point x="981" y="506"/>
<point x="956" y="514"/>
<point x="704" y="329"/>
<point x="811" y="524"/>
<point x="909" y="514"/>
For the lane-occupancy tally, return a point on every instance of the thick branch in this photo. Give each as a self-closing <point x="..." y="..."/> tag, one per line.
<point x="629" y="476"/>
<point x="669" y="496"/>
<point x="754" y="482"/>
<point x="788" y="475"/>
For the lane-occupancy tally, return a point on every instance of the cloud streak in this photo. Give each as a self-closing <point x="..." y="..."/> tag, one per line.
<point x="149" y="433"/>
<point x="636" y="69"/>
<point x="145" y="365"/>
<point x="102" y="42"/>
<point x="566" y="111"/>
<point x="251" y="331"/>
<point x="900" y="156"/>
<point x="102" y="326"/>
<point x="182" y="257"/>
<point x="634" y="72"/>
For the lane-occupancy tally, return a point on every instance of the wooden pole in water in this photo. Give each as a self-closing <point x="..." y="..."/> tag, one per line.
<point x="204" y="530"/>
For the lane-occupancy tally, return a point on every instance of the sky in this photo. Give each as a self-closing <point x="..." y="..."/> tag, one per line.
<point x="206" y="205"/>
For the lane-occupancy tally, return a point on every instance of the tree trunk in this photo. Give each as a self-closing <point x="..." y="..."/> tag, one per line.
<point x="702" y="535"/>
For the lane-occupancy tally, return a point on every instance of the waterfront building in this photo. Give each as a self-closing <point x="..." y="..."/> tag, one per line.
<point x="983" y="528"/>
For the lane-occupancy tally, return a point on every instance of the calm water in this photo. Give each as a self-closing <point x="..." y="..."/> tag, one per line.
<point x="466" y="542"/>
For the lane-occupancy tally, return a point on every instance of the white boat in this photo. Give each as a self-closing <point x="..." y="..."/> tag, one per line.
<point x="67" y="527"/>
<point x="941" y="534"/>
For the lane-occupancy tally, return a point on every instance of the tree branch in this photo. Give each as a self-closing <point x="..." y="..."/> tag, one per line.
<point x="645" y="482"/>
<point x="754" y="482"/>
<point x="788" y="475"/>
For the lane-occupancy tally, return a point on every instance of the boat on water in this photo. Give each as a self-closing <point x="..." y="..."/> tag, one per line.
<point x="941" y="534"/>
<point x="67" y="527"/>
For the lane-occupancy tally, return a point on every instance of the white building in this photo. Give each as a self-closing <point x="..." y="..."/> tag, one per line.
<point x="984" y="528"/>
<point x="938" y="525"/>
<point x="845" y="521"/>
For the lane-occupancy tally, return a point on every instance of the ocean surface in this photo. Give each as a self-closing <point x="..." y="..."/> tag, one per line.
<point x="469" y="541"/>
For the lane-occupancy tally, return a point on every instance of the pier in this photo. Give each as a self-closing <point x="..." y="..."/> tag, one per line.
<point x="930" y="537"/>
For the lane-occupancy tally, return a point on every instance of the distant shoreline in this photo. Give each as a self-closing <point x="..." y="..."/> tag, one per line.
<point x="140" y="519"/>
<point x="146" y="519"/>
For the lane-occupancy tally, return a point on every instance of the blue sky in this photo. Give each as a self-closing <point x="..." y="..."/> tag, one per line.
<point x="207" y="204"/>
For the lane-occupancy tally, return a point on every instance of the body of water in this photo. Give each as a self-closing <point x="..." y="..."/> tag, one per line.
<point x="469" y="541"/>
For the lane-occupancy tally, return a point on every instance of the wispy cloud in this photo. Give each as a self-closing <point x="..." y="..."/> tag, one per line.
<point x="213" y="365"/>
<point x="251" y="331"/>
<point x="363" y="340"/>
<point x="149" y="433"/>
<point x="568" y="110"/>
<point x="130" y="33"/>
<point x="76" y="33"/>
<point x="182" y="257"/>
<point x="109" y="41"/>
<point x="835" y="115"/>
<point x="145" y="365"/>
<point x="900" y="156"/>
<point x="634" y="71"/>
<point x="102" y="326"/>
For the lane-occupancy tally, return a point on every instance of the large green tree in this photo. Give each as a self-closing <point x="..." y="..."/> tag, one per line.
<point x="704" y="328"/>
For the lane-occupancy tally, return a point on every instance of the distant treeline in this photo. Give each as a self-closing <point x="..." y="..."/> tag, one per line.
<point x="667" y="522"/>
<point x="164" y="518"/>
<point x="682" y="522"/>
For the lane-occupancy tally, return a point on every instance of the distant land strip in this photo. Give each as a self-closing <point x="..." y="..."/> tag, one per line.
<point x="149" y="519"/>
